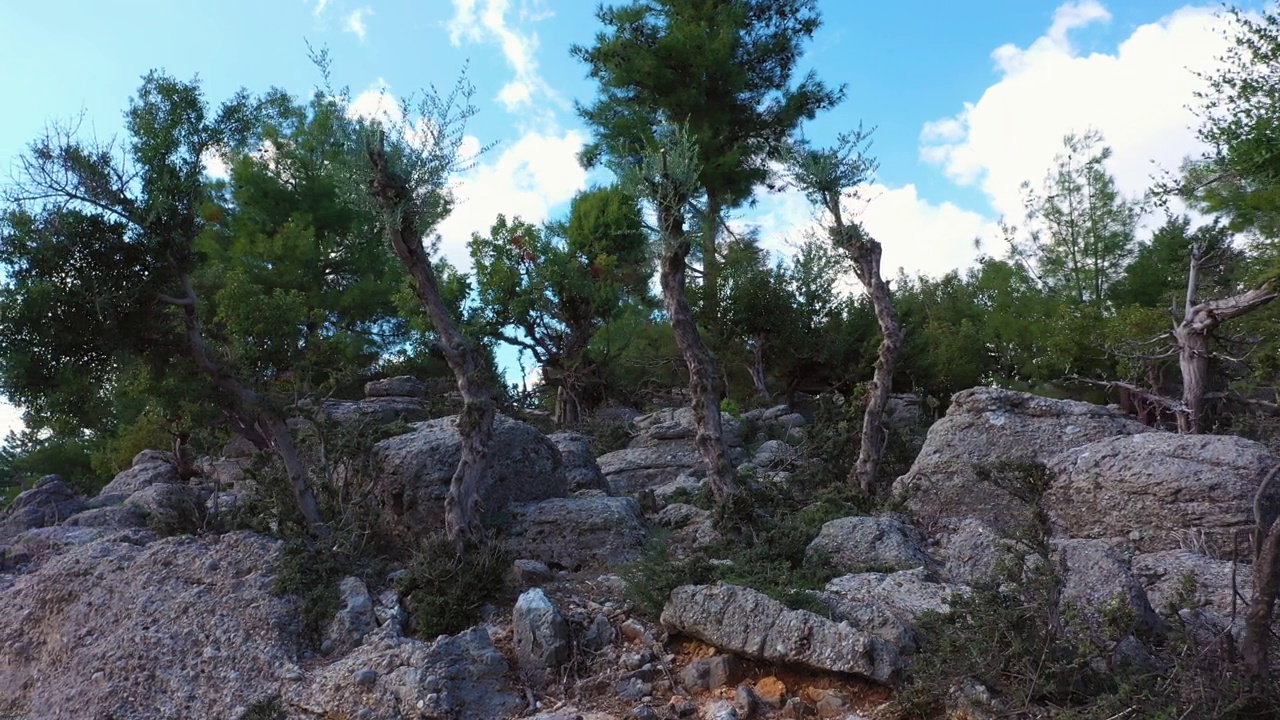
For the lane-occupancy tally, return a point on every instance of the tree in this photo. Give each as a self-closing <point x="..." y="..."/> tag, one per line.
<point x="556" y="287"/>
<point x="725" y="69"/>
<point x="825" y="175"/>
<point x="410" y="160"/>
<point x="758" y="307"/>
<point x="667" y="175"/>
<point x="1080" y="230"/>
<point x="99" y="249"/>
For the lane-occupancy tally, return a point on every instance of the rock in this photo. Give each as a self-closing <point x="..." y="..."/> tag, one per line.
<point x="170" y="509"/>
<point x="49" y="502"/>
<point x="182" y="627"/>
<point x="116" y="517"/>
<point x="365" y="677"/>
<point x="721" y="710"/>
<point x="239" y="448"/>
<point x="858" y="544"/>
<point x="355" y="617"/>
<point x="531" y="572"/>
<point x="416" y="469"/>
<point x="773" y="454"/>
<point x="887" y="605"/>
<point x="541" y="636"/>
<point x="390" y="612"/>
<point x="1174" y="578"/>
<point x="973" y="553"/>
<point x="748" y="622"/>
<point x="38" y="545"/>
<point x="399" y="386"/>
<point x="1000" y="495"/>
<point x="376" y="410"/>
<point x="632" y="469"/>
<point x="223" y="473"/>
<point x="771" y="691"/>
<point x="578" y="533"/>
<point x="678" y="515"/>
<point x="1097" y="581"/>
<point x="598" y="635"/>
<point x="149" y="467"/>
<point x="1158" y="488"/>
<point x="460" y="676"/>
<point x="581" y="471"/>
<point x="684" y="483"/>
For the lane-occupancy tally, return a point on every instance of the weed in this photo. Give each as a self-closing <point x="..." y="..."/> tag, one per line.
<point x="651" y="578"/>
<point x="265" y="709"/>
<point x="445" y="590"/>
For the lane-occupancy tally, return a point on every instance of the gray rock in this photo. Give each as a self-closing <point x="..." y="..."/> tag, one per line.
<point x="116" y="517"/>
<point x="1097" y="580"/>
<point x="49" y="502"/>
<point x="376" y="410"/>
<point x="416" y="469"/>
<point x="460" y="676"/>
<point x="149" y="467"/>
<point x="531" y="572"/>
<point x="678" y="515"/>
<point x="748" y="622"/>
<point x="580" y="468"/>
<point x="858" y="544"/>
<point x="888" y="605"/>
<point x="632" y="469"/>
<point x="399" y="386"/>
<point x="973" y="553"/>
<point x="541" y="636"/>
<point x="181" y="627"/>
<point x="1159" y="489"/>
<point x="1000" y="496"/>
<point x="239" y="448"/>
<point x="684" y="483"/>
<point x="578" y="533"/>
<point x="1167" y="575"/>
<point x="170" y="508"/>
<point x="773" y="454"/>
<point x="38" y="545"/>
<point x="355" y="617"/>
<point x="223" y="473"/>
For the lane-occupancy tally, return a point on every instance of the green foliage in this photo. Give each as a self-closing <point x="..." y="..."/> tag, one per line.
<point x="311" y="574"/>
<point x="446" y="590"/>
<point x="27" y="457"/>
<point x="265" y="709"/>
<point x="651" y="578"/>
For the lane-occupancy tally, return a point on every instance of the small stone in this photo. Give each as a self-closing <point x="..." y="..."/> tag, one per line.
<point x="212" y="566"/>
<point x="745" y="700"/>
<point x="365" y="677"/>
<point x="642" y="712"/>
<point x="722" y="710"/>
<point x="531" y="572"/>
<point x="797" y="708"/>
<point x="771" y="691"/>
<point x="633" y="630"/>
<point x="829" y="704"/>
<point x="327" y="646"/>
<point x="633" y="689"/>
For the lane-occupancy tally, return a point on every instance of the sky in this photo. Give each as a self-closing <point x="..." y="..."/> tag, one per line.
<point x="968" y="99"/>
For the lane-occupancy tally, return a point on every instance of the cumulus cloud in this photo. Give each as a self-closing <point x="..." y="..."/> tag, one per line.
<point x="356" y="22"/>
<point x="1138" y="96"/>
<point x="319" y="8"/>
<point x="487" y="21"/>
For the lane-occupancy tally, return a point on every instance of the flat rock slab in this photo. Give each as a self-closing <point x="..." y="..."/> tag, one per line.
<point x="748" y="622"/>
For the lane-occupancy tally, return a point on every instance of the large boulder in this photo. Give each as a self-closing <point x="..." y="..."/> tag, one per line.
<point x="376" y="410"/>
<point x="541" y="636"/>
<point x="578" y="533"/>
<point x="169" y="508"/>
<point x="1100" y="589"/>
<point x="888" y="605"/>
<point x="1158" y="489"/>
<point x="149" y="467"/>
<point x="415" y="469"/>
<point x="181" y="627"/>
<point x="581" y="471"/>
<point x="458" y="676"/>
<point x="858" y="544"/>
<point x="1179" y="579"/>
<point x="985" y="458"/>
<point x="50" y="501"/>
<point x="752" y="624"/>
<point x="663" y="449"/>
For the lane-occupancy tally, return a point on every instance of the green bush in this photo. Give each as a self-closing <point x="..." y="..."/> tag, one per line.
<point x="312" y="576"/>
<point x="445" y="590"/>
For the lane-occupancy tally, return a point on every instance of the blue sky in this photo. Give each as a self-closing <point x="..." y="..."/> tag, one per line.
<point x="969" y="98"/>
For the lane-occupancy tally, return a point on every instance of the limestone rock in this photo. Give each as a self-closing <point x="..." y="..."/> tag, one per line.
<point x="170" y="508"/>
<point x="1156" y="487"/>
<point x="458" y="676"/>
<point x="581" y="471"/>
<point x="856" y="544"/>
<point x="578" y="533"/>
<point x="149" y="467"/>
<point x="632" y="469"/>
<point x="376" y="410"/>
<point x="355" y="617"/>
<point x="1097" y="579"/>
<point x="973" y="553"/>
<point x="181" y="627"/>
<point x="50" y="501"/>
<point x="399" y="386"/>
<point x="541" y="635"/>
<point x="1165" y="575"/>
<point x="415" y="470"/>
<point x="750" y="623"/>
<point x="888" y="605"/>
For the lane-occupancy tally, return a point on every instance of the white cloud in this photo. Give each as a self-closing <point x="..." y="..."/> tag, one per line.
<point x="478" y="21"/>
<point x="1138" y="97"/>
<point x="318" y="10"/>
<point x="10" y="418"/>
<point x="215" y="164"/>
<point x="376" y="103"/>
<point x="356" y="22"/>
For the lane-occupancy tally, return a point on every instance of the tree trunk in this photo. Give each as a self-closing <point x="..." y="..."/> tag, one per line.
<point x="1266" y="585"/>
<point x="757" y="367"/>
<point x="711" y="263"/>
<point x="475" y="424"/>
<point x="253" y="415"/>
<point x="568" y="406"/>
<point x="703" y="375"/>
<point x="1192" y="335"/>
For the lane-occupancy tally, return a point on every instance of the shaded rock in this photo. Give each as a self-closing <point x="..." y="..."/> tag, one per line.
<point x="581" y="472"/>
<point x="577" y="533"/>
<point x="223" y="473"/>
<point x="460" y="676"/>
<point x="1098" y="581"/>
<point x="632" y="469"/>
<point x="1001" y="496"/>
<point x="973" y="553"/>
<point x="773" y="454"/>
<point x="49" y="502"/>
<point x="149" y="467"/>
<point x="750" y="623"/>
<point x="1177" y="577"/>
<point x="376" y="410"/>
<point x="711" y="673"/>
<point x="38" y="545"/>
<point x="416" y="469"/>
<point x="541" y="635"/>
<point x="1156" y="488"/>
<point x="239" y="448"/>
<point x="888" y="605"/>
<point x="531" y="572"/>
<point x="857" y="544"/>
<point x="684" y="483"/>
<point x="169" y="508"/>
<point x="399" y="386"/>
<point x="115" y="517"/>
<point x="355" y="617"/>
<point x="181" y="628"/>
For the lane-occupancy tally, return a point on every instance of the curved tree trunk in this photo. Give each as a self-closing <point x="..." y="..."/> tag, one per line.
<point x="704" y="378"/>
<point x="1266" y="586"/>
<point x="475" y="424"/>
<point x="756" y="368"/>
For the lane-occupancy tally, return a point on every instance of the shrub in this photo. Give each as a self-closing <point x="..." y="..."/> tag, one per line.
<point x="446" y="590"/>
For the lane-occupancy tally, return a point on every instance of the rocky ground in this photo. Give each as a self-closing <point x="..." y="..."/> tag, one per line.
<point x="129" y="605"/>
